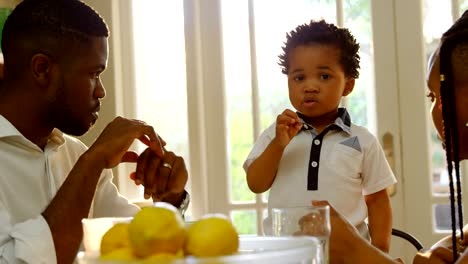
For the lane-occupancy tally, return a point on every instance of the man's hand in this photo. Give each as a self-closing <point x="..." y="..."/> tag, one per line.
<point x="162" y="173"/>
<point x="163" y="178"/>
<point x="288" y="125"/>
<point x="111" y="147"/>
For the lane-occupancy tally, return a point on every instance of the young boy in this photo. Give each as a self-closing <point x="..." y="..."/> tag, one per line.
<point x="316" y="153"/>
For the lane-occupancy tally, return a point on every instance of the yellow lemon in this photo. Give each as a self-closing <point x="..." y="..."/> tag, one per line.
<point x="163" y="258"/>
<point x="119" y="254"/>
<point x="213" y="235"/>
<point x="158" y="229"/>
<point x="116" y="237"/>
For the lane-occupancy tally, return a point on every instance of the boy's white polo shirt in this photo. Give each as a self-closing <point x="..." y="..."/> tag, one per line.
<point x="341" y="165"/>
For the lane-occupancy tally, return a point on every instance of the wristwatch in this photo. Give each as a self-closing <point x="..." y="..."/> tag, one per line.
<point x="185" y="203"/>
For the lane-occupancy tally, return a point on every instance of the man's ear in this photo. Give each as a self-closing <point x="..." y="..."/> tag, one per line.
<point x="349" y="86"/>
<point x="41" y="68"/>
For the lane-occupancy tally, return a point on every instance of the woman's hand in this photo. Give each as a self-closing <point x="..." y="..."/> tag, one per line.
<point x="437" y="255"/>
<point x="441" y="251"/>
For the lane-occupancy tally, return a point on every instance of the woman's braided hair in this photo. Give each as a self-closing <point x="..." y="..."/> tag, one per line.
<point x="455" y="39"/>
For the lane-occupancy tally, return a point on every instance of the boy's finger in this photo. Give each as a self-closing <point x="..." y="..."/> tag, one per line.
<point x="282" y="119"/>
<point x="293" y="115"/>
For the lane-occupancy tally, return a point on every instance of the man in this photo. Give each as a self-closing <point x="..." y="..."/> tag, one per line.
<point x="54" y="53"/>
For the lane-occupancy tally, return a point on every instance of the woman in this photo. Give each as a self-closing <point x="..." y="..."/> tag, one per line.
<point x="448" y="91"/>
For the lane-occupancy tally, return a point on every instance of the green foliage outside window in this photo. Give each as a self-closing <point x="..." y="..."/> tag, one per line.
<point x="463" y="6"/>
<point x="245" y="222"/>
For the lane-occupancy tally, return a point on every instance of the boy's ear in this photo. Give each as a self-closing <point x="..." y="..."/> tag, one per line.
<point x="41" y="68"/>
<point x="349" y="86"/>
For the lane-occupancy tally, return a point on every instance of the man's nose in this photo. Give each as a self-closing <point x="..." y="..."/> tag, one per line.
<point x="100" y="91"/>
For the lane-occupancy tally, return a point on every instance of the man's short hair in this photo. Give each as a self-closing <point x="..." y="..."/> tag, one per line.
<point x="50" y="27"/>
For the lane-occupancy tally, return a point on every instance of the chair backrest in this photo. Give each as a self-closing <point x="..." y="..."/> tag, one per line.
<point x="408" y="237"/>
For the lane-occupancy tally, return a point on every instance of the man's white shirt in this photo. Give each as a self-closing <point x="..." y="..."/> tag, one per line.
<point x="29" y="179"/>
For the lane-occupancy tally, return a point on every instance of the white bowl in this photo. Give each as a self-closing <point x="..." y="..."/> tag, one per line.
<point x="252" y="249"/>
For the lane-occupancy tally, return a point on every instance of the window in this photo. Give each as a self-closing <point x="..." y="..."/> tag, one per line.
<point x="160" y="73"/>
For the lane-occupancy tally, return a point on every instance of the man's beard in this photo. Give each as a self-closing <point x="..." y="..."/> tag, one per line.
<point x="64" y="116"/>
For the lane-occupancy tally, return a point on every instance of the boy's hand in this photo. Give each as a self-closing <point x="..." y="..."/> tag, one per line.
<point x="288" y="125"/>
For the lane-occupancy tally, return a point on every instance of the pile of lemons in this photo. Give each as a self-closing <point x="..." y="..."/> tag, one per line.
<point x="159" y="233"/>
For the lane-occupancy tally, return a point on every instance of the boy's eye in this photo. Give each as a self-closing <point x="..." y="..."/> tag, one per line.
<point x="324" y="76"/>
<point x="299" y="78"/>
<point x="431" y="96"/>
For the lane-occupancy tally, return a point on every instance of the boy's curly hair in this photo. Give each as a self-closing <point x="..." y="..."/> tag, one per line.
<point x="321" y="32"/>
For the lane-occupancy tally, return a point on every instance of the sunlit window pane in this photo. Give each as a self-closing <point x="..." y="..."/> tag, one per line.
<point x="437" y="19"/>
<point x="238" y="93"/>
<point x="265" y="196"/>
<point x="264" y="215"/>
<point x="442" y="215"/>
<point x="357" y="20"/>
<point x="463" y="6"/>
<point x="440" y="178"/>
<point x="160" y="70"/>
<point x="245" y="221"/>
